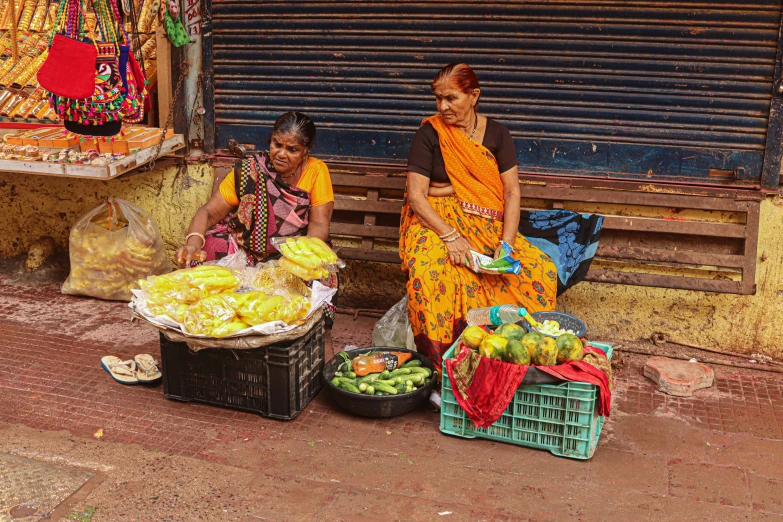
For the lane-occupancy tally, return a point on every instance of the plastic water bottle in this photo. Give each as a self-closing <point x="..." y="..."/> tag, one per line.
<point x="496" y="315"/>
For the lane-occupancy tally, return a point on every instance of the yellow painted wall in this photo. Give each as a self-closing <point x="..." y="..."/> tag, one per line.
<point x="35" y="206"/>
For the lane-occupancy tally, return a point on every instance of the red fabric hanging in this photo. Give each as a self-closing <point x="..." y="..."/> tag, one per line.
<point x="581" y="371"/>
<point x="483" y="387"/>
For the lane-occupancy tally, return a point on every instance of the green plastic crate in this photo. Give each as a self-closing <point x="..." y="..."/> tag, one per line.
<point x="560" y="418"/>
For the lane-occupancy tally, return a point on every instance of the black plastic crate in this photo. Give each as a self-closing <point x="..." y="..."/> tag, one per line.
<point x="276" y="381"/>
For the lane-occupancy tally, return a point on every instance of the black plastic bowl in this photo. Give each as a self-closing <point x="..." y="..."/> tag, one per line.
<point x="377" y="405"/>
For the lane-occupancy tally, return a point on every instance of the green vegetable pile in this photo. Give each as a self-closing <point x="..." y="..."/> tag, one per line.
<point x="405" y="379"/>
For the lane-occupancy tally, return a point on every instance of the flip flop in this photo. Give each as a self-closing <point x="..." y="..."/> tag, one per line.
<point x="147" y="371"/>
<point x="124" y="372"/>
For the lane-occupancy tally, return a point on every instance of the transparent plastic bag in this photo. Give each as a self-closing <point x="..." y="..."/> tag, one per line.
<point x="256" y="307"/>
<point x="213" y="316"/>
<point x="112" y="247"/>
<point x="394" y="328"/>
<point x="307" y="257"/>
<point x="236" y="261"/>
<point x="272" y="279"/>
<point x="170" y="295"/>
<point x="189" y="285"/>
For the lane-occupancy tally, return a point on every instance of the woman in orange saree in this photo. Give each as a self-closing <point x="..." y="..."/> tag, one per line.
<point x="463" y="194"/>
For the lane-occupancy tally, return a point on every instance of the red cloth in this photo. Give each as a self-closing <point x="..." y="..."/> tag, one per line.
<point x="580" y="371"/>
<point x="484" y="387"/>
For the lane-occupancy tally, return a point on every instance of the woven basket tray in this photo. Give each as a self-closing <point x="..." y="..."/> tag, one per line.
<point x="245" y="342"/>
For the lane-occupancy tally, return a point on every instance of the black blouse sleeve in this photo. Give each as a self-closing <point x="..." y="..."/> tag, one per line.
<point x="507" y="152"/>
<point x="422" y="151"/>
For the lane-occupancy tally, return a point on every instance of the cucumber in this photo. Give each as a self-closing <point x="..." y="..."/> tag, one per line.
<point x="399" y="380"/>
<point x="343" y="380"/>
<point x="409" y="383"/>
<point x="411" y="364"/>
<point x="400" y="371"/>
<point x="338" y="374"/>
<point x="409" y="389"/>
<point x="416" y="378"/>
<point x="384" y="374"/>
<point x="378" y="393"/>
<point x="350" y="375"/>
<point x="370" y="390"/>
<point x="363" y="387"/>
<point x="400" y="388"/>
<point x="423" y="371"/>
<point x="369" y="378"/>
<point x="336" y="382"/>
<point x="385" y="388"/>
<point x="387" y="382"/>
<point x="349" y="387"/>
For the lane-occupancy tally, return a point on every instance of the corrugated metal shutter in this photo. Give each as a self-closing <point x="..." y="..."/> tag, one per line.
<point x="651" y="90"/>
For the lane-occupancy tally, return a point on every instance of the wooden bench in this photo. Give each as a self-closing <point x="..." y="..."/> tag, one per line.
<point x="659" y="236"/>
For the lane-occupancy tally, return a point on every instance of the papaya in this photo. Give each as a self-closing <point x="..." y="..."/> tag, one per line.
<point x="545" y="353"/>
<point x="530" y="340"/>
<point x="473" y="335"/>
<point x="569" y="348"/>
<point x="511" y="331"/>
<point x="516" y="353"/>
<point x="494" y="347"/>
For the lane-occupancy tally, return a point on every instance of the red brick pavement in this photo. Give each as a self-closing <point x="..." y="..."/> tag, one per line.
<point x="50" y="379"/>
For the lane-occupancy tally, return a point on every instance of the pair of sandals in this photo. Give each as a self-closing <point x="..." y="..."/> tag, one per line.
<point x="142" y="369"/>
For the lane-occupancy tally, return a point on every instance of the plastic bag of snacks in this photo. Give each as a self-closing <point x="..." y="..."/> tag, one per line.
<point x="171" y="294"/>
<point x="206" y="300"/>
<point x="307" y="257"/>
<point x="226" y="314"/>
<point x="273" y="279"/>
<point x="111" y="248"/>
<point x="213" y="316"/>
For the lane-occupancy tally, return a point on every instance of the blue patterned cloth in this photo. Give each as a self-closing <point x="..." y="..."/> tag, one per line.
<point x="569" y="238"/>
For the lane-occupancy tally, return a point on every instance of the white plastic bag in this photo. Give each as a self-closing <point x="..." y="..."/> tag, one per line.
<point x="394" y="328"/>
<point x="111" y="248"/>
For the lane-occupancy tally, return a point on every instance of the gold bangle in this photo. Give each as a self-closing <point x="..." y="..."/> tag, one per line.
<point x="203" y="239"/>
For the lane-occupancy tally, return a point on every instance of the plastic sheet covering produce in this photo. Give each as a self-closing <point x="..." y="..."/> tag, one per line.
<point x="215" y="301"/>
<point x="112" y="247"/>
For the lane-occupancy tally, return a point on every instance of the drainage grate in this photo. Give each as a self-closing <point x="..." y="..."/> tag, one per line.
<point x="30" y="489"/>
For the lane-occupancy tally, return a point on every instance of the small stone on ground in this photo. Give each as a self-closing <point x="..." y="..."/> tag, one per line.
<point x="676" y="377"/>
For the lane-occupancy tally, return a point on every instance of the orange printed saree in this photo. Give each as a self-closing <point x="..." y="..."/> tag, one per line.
<point x="439" y="293"/>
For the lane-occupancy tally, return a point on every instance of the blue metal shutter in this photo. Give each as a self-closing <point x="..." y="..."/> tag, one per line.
<point x="641" y="90"/>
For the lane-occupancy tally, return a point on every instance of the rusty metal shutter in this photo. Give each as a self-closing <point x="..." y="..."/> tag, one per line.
<point x="661" y="91"/>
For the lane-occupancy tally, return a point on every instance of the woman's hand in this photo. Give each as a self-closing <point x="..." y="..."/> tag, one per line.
<point x="459" y="252"/>
<point x="189" y="253"/>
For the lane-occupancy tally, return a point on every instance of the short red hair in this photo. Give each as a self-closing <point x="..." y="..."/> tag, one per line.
<point x="460" y="75"/>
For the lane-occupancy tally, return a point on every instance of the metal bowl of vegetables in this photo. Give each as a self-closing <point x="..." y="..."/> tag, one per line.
<point x="555" y="324"/>
<point x="370" y="395"/>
